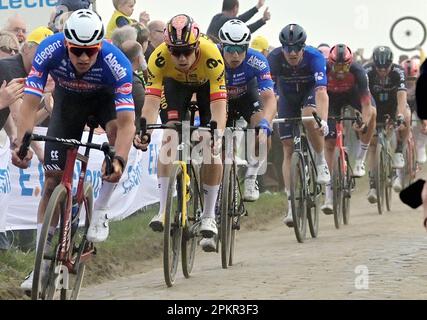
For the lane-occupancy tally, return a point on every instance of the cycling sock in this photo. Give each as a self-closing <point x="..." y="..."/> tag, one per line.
<point x="163" y="184"/>
<point x="399" y="147"/>
<point x="210" y="196"/>
<point x="328" y="192"/>
<point x="399" y="174"/>
<point x="363" y="150"/>
<point x="105" y="193"/>
<point x="320" y="158"/>
<point x="253" y="169"/>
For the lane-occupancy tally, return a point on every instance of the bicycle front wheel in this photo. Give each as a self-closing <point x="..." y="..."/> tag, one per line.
<point x="297" y="193"/>
<point x="347" y="188"/>
<point x="337" y="190"/>
<point x="189" y="235"/>
<point x="389" y="175"/>
<point x="315" y="192"/>
<point x="172" y="234"/>
<point x="226" y="216"/>
<point x="380" y="178"/>
<point x="47" y="268"/>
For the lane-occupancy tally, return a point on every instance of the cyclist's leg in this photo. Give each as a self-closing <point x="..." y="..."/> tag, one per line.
<point x="402" y="138"/>
<point x="420" y="136"/>
<point x="176" y="96"/>
<point x="317" y="141"/>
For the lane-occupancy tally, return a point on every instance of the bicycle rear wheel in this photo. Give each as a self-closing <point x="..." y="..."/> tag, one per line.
<point x="337" y="190"/>
<point x="348" y="184"/>
<point x="226" y="215"/>
<point x="172" y="234"/>
<point x="47" y="267"/>
<point x="189" y="235"/>
<point x="380" y="178"/>
<point x="297" y="193"/>
<point x="313" y="208"/>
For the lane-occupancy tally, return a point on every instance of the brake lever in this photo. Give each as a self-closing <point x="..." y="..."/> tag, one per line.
<point x="26" y="141"/>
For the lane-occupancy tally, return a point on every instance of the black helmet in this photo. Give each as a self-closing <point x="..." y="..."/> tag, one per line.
<point x="292" y="34"/>
<point x="383" y="57"/>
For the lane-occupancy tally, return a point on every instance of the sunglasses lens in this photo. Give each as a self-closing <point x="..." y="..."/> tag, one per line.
<point x="295" y="48"/>
<point x="78" y="51"/>
<point x="233" y="49"/>
<point x="177" y="52"/>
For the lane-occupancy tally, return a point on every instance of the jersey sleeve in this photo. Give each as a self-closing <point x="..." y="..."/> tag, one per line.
<point x="123" y="98"/>
<point x="271" y="58"/>
<point x="319" y="70"/>
<point x="215" y="69"/>
<point x="362" y="81"/>
<point x="37" y="77"/>
<point x="263" y="75"/>
<point x="156" y="69"/>
<point x="400" y="79"/>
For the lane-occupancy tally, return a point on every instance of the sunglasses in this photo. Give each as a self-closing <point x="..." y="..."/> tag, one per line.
<point x="235" y="48"/>
<point x="340" y="68"/>
<point x="78" y="51"/>
<point x="294" y="48"/>
<point x="178" y="51"/>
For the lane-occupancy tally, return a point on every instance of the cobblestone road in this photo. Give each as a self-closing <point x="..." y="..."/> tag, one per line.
<point x="375" y="257"/>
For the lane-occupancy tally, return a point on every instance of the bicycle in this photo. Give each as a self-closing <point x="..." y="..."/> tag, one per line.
<point x="183" y="211"/>
<point x="343" y="181"/>
<point x="305" y="192"/>
<point x="411" y="168"/>
<point x="60" y="269"/>
<point x="398" y="33"/>
<point x="230" y="198"/>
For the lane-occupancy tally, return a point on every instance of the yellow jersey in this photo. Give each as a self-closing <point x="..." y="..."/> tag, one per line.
<point x="209" y="66"/>
<point x="112" y="25"/>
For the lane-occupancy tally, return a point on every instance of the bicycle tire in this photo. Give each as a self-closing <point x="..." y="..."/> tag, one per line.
<point x="394" y="25"/>
<point x="315" y="193"/>
<point x="236" y="214"/>
<point x="57" y="201"/>
<point x="337" y="191"/>
<point x="297" y="194"/>
<point x="389" y="180"/>
<point x="80" y="244"/>
<point x="172" y="234"/>
<point x="379" y="177"/>
<point x="347" y="186"/>
<point x="225" y="216"/>
<point x="189" y="239"/>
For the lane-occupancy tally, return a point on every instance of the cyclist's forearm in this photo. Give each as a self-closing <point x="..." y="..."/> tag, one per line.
<point x="322" y="103"/>
<point x="366" y="112"/>
<point x="219" y="113"/>
<point x="125" y="134"/>
<point x="401" y="101"/>
<point x="150" y="110"/>
<point x="27" y="115"/>
<point x="269" y="105"/>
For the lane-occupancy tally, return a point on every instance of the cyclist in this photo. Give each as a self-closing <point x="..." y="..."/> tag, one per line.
<point x="387" y="85"/>
<point x="347" y="86"/>
<point x="249" y="88"/>
<point x="299" y="72"/>
<point x="411" y="67"/>
<point x="92" y="77"/>
<point x="184" y="64"/>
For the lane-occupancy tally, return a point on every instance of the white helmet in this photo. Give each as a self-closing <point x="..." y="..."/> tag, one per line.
<point x="235" y="32"/>
<point x="84" y="28"/>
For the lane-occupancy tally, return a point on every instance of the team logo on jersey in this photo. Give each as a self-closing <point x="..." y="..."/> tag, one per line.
<point x="160" y="61"/>
<point x="173" y="115"/>
<point x="319" y="76"/>
<point x="266" y="76"/>
<point x="212" y="63"/>
<point x="125" y="88"/>
<point x="116" y="68"/>
<point x="47" y="52"/>
<point x="35" y="73"/>
<point x="259" y="64"/>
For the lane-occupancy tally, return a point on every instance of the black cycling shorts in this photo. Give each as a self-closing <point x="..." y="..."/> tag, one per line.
<point x="69" y="117"/>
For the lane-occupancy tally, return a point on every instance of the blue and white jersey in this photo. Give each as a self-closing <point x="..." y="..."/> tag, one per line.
<point x="256" y="66"/>
<point x="309" y="74"/>
<point x="112" y="69"/>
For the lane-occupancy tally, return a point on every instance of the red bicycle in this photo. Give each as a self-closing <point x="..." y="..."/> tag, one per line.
<point x="61" y="257"/>
<point x="343" y="181"/>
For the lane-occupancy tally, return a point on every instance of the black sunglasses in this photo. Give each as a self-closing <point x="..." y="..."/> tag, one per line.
<point x="78" y="51"/>
<point x="178" y="51"/>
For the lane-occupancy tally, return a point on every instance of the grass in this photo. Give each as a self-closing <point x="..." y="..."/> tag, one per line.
<point x="130" y="243"/>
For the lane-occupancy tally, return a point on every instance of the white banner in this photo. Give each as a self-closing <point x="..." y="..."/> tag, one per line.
<point x="136" y="189"/>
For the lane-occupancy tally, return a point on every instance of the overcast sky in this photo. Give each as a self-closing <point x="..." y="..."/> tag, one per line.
<point x="359" y="23"/>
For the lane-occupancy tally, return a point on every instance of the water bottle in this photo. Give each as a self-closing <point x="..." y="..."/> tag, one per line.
<point x="74" y="215"/>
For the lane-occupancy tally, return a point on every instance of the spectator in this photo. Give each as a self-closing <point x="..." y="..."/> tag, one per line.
<point x="155" y="38"/>
<point x="134" y="52"/>
<point x="16" y="24"/>
<point x="121" y="15"/>
<point x="123" y="34"/>
<point x="230" y="9"/>
<point x="324" y="48"/>
<point x="144" y="18"/>
<point x="9" y="44"/>
<point x="260" y="44"/>
<point x="403" y="57"/>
